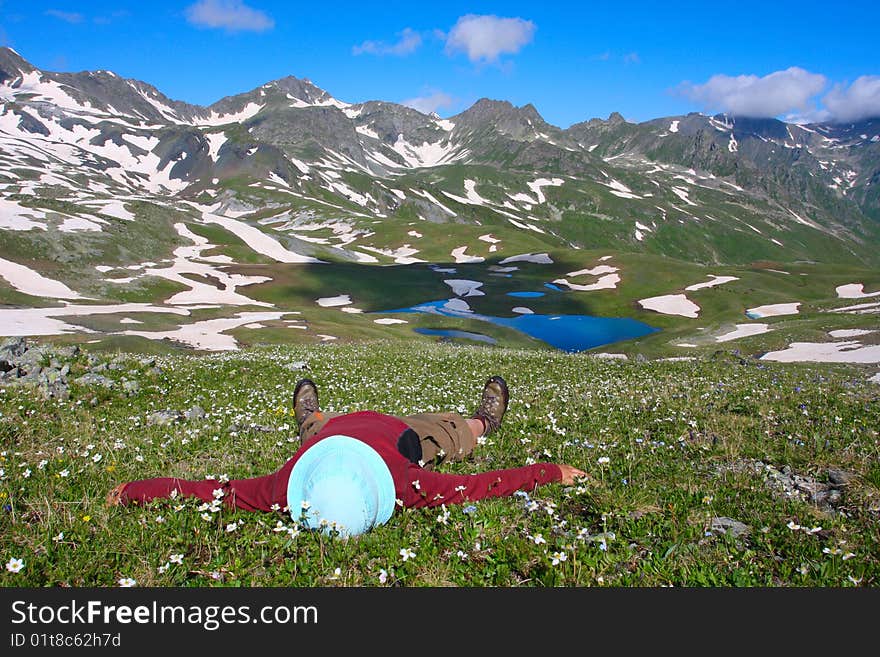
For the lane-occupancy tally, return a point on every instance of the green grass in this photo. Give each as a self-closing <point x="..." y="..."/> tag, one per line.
<point x="668" y="447"/>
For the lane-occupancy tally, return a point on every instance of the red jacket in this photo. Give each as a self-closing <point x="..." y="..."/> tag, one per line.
<point x="414" y="486"/>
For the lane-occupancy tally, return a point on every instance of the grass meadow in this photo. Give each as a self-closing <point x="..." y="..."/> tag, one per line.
<point x="722" y="471"/>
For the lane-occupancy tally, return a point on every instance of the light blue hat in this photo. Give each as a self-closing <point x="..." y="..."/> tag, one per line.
<point x="340" y="483"/>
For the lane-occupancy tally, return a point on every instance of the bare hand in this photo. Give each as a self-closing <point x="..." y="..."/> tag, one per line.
<point x="570" y="473"/>
<point x="114" y="497"/>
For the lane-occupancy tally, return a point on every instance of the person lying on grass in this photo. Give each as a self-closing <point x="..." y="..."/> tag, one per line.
<point x="352" y="469"/>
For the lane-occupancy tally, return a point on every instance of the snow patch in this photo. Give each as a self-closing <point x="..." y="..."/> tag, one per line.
<point x="854" y="291"/>
<point x="538" y="258"/>
<point x="742" y="331"/>
<point x="41" y="321"/>
<point x="330" y="302"/>
<point x="606" y="282"/>
<point x="426" y="154"/>
<point x="215" y="142"/>
<point x="772" y="310"/>
<point x="18" y="217"/>
<point x="461" y="257"/>
<point x="682" y="194"/>
<point x="538" y="183"/>
<point x="849" y="333"/>
<point x="671" y="304"/>
<point x="26" y="280"/>
<point x="465" y="288"/>
<point x="716" y="280"/>
<point x="209" y="334"/>
<point x="214" y="119"/>
<point x="826" y="352"/>
<point x="256" y="239"/>
<point x="402" y="255"/>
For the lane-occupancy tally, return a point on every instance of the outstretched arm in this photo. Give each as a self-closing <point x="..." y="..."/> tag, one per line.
<point x="147" y="490"/>
<point x="256" y="494"/>
<point x="428" y="489"/>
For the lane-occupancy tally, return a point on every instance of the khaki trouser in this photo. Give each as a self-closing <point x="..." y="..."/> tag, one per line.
<point x="443" y="436"/>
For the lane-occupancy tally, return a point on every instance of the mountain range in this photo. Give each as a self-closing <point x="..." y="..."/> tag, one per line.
<point x="98" y="172"/>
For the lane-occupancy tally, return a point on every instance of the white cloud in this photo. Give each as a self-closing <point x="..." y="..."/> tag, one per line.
<point x="430" y="102"/>
<point x="487" y="37"/>
<point x="748" y="95"/>
<point x="860" y="100"/>
<point x="409" y="42"/>
<point x="66" y="16"/>
<point x="230" y="15"/>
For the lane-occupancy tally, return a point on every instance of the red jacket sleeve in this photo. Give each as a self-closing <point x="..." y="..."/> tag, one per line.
<point x="147" y="490"/>
<point x="256" y="494"/>
<point x="426" y="488"/>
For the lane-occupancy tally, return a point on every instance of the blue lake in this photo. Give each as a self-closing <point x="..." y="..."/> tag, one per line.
<point x="565" y="332"/>
<point x="526" y="295"/>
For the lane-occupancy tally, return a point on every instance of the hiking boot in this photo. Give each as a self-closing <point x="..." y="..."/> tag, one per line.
<point x="493" y="404"/>
<point x="305" y="400"/>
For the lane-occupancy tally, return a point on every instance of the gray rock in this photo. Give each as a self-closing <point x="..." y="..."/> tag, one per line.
<point x="10" y="375"/>
<point x="12" y="348"/>
<point x="32" y="359"/>
<point x="164" y="417"/>
<point x="131" y="387"/>
<point x="297" y="365"/>
<point x="54" y="389"/>
<point x="53" y="376"/>
<point x="91" y="379"/>
<point x="840" y="477"/>
<point x="261" y="428"/>
<point x="69" y="352"/>
<point x="65" y="369"/>
<point x="195" y="413"/>
<point x="792" y="485"/>
<point x="31" y="373"/>
<point x="147" y="362"/>
<point x="722" y="525"/>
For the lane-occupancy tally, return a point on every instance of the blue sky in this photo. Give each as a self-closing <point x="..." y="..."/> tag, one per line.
<point x="572" y="61"/>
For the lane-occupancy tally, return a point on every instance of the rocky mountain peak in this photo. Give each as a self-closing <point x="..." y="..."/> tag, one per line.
<point x="12" y="65"/>
<point x="502" y="116"/>
<point x="301" y="89"/>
